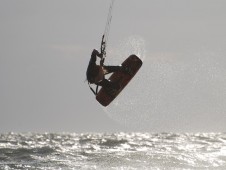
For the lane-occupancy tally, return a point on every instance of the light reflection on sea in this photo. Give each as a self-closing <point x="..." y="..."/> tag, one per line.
<point x="113" y="151"/>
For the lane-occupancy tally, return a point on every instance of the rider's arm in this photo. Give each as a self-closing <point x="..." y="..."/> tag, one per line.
<point x="94" y="58"/>
<point x="96" y="53"/>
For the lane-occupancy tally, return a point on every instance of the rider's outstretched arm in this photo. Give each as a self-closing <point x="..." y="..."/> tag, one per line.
<point x="96" y="53"/>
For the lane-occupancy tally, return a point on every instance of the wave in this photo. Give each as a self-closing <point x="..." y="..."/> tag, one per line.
<point x="113" y="151"/>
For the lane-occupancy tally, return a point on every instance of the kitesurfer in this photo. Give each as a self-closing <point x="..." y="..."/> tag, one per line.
<point x="96" y="73"/>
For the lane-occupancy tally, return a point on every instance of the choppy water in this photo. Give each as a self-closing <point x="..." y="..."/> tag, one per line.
<point x="113" y="151"/>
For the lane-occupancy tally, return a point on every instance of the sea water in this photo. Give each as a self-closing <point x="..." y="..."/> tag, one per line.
<point x="112" y="151"/>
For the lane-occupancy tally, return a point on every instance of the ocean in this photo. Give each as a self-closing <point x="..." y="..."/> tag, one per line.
<point x="112" y="151"/>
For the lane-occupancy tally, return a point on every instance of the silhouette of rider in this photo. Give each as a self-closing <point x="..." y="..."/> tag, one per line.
<point x="96" y="73"/>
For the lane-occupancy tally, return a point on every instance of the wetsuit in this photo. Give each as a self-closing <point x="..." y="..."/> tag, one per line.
<point x="95" y="73"/>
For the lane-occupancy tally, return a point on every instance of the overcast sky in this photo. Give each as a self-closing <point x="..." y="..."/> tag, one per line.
<point x="45" y="47"/>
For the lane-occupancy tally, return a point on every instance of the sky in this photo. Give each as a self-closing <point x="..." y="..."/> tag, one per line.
<point x="45" y="47"/>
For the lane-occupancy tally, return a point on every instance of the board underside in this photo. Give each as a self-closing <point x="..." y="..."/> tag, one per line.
<point x="105" y="96"/>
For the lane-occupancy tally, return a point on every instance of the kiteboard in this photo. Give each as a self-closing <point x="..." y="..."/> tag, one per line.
<point x="106" y="95"/>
